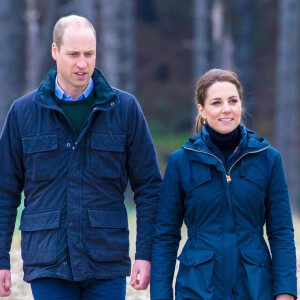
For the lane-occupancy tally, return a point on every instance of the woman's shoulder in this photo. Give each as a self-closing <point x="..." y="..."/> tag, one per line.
<point x="273" y="154"/>
<point x="177" y="155"/>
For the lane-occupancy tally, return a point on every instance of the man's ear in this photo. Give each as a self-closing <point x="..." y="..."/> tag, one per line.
<point x="54" y="51"/>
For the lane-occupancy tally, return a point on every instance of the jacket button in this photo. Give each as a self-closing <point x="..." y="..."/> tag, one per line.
<point x="112" y="103"/>
<point x="95" y="108"/>
<point x="68" y="144"/>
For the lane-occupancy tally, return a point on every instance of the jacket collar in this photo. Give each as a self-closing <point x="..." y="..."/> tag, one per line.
<point x="250" y="142"/>
<point x="104" y="92"/>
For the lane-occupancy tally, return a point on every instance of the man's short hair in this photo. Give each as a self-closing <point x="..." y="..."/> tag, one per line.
<point x="75" y="21"/>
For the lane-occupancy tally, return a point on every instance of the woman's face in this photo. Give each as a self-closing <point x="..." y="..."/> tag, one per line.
<point x="222" y="107"/>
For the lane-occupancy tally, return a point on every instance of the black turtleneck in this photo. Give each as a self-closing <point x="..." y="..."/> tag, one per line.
<point x="227" y="143"/>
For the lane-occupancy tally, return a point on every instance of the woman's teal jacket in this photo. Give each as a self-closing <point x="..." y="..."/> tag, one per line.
<point x="225" y="208"/>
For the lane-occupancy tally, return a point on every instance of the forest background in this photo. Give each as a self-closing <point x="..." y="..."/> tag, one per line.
<point x="157" y="49"/>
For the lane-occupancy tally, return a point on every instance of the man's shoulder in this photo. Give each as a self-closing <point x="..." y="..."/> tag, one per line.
<point x="123" y="95"/>
<point x="127" y="100"/>
<point x="24" y="100"/>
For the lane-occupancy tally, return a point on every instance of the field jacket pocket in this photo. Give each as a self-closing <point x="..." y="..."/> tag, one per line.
<point x="40" y="157"/>
<point x="194" y="280"/>
<point x="199" y="175"/>
<point x="107" y="155"/>
<point x="108" y="235"/>
<point x="258" y="277"/>
<point x="39" y="237"/>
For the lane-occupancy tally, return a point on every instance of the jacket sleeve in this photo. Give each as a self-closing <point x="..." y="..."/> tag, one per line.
<point x="11" y="184"/>
<point x="144" y="176"/>
<point x="167" y="234"/>
<point x="280" y="231"/>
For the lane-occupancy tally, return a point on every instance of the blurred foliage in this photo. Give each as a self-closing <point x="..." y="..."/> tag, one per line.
<point x="166" y="144"/>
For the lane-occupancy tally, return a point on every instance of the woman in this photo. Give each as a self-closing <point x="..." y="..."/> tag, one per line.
<point x="225" y="184"/>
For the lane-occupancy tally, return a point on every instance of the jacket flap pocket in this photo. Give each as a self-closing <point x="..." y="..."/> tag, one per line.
<point x="255" y="172"/>
<point x="40" y="220"/>
<point x="108" y="142"/>
<point x="108" y="218"/>
<point x="259" y="257"/>
<point x="39" y="143"/>
<point x="199" y="174"/>
<point x="195" y="257"/>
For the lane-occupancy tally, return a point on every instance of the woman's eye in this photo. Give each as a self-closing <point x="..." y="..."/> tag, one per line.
<point x="216" y="102"/>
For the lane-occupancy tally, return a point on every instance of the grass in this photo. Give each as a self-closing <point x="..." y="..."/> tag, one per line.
<point x="296" y="220"/>
<point x="166" y="144"/>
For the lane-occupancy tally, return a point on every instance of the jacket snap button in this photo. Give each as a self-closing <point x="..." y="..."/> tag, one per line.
<point x="112" y="103"/>
<point x="68" y="144"/>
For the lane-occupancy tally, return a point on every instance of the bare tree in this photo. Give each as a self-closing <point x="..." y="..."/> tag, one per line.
<point x="217" y="33"/>
<point x="287" y="94"/>
<point x="201" y="37"/>
<point x="222" y="45"/>
<point x="32" y="45"/>
<point x="117" y="42"/>
<point x="85" y="8"/>
<point x="245" y="49"/>
<point x="128" y="65"/>
<point x="49" y="12"/>
<point x="12" y="55"/>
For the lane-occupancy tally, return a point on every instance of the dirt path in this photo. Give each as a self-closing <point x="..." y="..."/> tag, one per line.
<point x="21" y="290"/>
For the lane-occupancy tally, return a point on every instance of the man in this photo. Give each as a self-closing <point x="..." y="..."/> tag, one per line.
<point x="71" y="147"/>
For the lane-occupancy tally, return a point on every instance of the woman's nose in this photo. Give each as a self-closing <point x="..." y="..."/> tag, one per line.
<point x="226" y="107"/>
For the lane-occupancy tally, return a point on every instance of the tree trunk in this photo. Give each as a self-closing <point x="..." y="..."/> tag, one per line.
<point x="86" y="8"/>
<point x="33" y="45"/>
<point x="287" y="95"/>
<point x="244" y="52"/>
<point x="217" y="34"/>
<point x="48" y="17"/>
<point x="201" y="37"/>
<point x="128" y="63"/>
<point x="117" y="43"/>
<point x="12" y="54"/>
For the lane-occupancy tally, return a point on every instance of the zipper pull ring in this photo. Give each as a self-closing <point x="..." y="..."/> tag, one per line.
<point x="228" y="178"/>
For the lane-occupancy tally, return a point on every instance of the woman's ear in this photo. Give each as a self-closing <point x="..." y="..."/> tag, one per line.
<point x="201" y="111"/>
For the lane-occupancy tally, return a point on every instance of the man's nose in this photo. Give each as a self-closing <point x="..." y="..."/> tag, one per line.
<point x="81" y="62"/>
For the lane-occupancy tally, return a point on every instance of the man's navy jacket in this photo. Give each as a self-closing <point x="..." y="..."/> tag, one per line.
<point x="74" y="224"/>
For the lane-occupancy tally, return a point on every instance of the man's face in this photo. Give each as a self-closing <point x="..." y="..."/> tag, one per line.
<point x="75" y="59"/>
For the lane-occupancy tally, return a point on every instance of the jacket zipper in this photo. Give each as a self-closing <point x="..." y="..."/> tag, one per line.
<point x="212" y="156"/>
<point x="228" y="178"/>
<point x="241" y="158"/>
